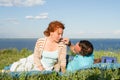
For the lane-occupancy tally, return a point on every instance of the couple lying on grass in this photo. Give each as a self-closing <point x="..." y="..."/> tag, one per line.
<point x="83" y="51"/>
<point x="50" y="53"/>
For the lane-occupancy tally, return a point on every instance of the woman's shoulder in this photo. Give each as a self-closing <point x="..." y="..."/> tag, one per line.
<point x="40" y="41"/>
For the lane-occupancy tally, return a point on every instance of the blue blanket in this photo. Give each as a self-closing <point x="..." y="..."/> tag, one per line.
<point x="103" y="66"/>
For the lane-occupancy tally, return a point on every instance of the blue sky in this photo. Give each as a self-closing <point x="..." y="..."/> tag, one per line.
<point x="82" y="18"/>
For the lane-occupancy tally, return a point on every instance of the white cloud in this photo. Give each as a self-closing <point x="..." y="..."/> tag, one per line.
<point x="41" y="16"/>
<point x="27" y="3"/>
<point x="8" y="21"/>
<point x="116" y="32"/>
<point x="12" y="20"/>
<point x="100" y="33"/>
<point x="92" y="33"/>
<point x="29" y="17"/>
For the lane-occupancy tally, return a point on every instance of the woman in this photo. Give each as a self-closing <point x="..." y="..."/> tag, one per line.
<point x="49" y="52"/>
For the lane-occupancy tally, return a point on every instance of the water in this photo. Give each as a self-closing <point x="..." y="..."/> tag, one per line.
<point x="103" y="44"/>
<point x="99" y="44"/>
<point x="18" y="43"/>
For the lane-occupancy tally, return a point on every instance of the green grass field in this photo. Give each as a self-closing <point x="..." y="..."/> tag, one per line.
<point x="8" y="56"/>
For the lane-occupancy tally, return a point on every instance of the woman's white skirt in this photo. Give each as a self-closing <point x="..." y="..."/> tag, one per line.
<point x="24" y="64"/>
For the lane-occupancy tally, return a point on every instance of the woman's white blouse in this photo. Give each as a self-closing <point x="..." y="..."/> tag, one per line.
<point x="49" y="59"/>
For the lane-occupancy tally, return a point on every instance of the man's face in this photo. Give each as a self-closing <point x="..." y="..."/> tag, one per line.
<point x="77" y="48"/>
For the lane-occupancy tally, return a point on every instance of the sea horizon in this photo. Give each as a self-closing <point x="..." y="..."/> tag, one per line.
<point x="29" y="43"/>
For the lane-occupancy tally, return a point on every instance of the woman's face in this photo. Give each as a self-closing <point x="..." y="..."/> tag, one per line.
<point x="57" y="34"/>
<point x="77" y="48"/>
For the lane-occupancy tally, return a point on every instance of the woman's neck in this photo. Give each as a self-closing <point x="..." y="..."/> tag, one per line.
<point x="50" y="39"/>
<point x="51" y="45"/>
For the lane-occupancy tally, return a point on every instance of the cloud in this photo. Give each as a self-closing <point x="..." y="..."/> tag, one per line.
<point x="12" y="20"/>
<point x="41" y="16"/>
<point x="91" y="33"/>
<point x="28" y="3"/>
<point x="98" y="33"/>
<point x="117" y="32"/>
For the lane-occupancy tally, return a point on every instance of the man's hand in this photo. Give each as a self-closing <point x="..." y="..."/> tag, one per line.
<point x="65" y="41"/>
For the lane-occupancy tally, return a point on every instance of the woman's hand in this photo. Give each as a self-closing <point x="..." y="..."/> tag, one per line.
<point x="41" y="68"/>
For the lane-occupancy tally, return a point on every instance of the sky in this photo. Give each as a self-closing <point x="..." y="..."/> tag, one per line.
<point x="82" y="18"/>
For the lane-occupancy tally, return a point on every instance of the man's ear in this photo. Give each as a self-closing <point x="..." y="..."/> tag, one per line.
<point x="89" y="50"/>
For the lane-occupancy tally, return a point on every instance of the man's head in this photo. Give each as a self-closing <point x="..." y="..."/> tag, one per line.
<point x="84" y="47"/>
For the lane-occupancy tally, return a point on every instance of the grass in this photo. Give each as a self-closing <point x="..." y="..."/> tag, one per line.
<point x="8" y="56"/>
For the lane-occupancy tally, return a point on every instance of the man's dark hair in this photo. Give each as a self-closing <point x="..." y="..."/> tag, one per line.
<point x="86" y="47"/>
